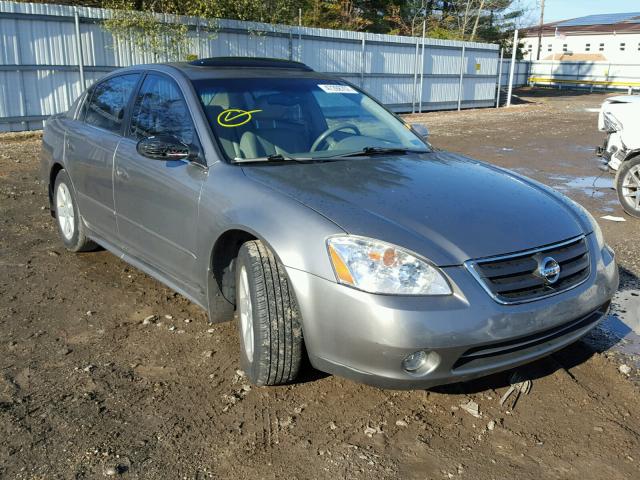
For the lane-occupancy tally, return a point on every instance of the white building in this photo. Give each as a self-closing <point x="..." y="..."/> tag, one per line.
<point x="608" y="37"/>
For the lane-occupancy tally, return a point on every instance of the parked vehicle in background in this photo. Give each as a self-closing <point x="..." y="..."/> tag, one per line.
<point x="620" y="118"/>
<point x="329" y="224"/>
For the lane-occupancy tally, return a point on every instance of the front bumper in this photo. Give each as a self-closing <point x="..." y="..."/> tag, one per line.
<point x="612" y="151"/>
<point x="365" y="336"/>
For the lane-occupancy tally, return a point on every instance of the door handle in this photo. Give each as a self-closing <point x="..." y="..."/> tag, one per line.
<point x="70" y="146"/>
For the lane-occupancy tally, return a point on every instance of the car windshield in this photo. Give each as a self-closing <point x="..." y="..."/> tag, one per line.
<point x="299" y="118"/>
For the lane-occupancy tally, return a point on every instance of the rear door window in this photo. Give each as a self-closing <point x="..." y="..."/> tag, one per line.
<point x="108" y="102"/>
<point x="160" y="109"/>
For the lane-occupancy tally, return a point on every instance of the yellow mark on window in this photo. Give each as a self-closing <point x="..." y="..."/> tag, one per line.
<point x="234" y="117"/>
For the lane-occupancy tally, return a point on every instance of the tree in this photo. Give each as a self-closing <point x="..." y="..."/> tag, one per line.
<point x="138" y="20"/>
<point x="338" y="14"/>
<point x="472" y="20"/>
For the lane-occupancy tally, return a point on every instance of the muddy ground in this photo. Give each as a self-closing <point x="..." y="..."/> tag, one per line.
<point x="87" y="390"/>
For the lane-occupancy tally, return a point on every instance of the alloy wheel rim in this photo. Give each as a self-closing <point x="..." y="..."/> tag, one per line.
<point x="246" y="313"/>
<point x="64" y="211"/>
<point x="631" y="187"/>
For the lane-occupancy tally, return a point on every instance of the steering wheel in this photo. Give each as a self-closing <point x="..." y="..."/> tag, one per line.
<point x="330" y="131"/>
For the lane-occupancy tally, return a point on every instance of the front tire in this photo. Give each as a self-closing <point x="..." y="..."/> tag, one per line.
<point x="70" y="226"/>
<point x="628" y="186"/>
<point x="269" y="320"/>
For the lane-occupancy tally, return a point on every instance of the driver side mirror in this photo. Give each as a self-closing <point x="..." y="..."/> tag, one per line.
<point x="421" y="130"/>
<point x="166" y="147"/>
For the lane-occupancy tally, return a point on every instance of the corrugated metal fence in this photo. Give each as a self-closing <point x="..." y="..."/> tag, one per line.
<point x="520" y="73"/>
<point x="44" y="47"/>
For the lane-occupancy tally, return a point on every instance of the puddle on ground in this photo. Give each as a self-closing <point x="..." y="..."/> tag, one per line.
<point x="610" y="206"/>
<point x="620" y="329"/>
<point x="583" y="148"/>
<point x="590" y="185"/>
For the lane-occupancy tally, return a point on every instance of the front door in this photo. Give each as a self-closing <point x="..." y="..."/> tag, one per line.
<point x="156" y="201"/>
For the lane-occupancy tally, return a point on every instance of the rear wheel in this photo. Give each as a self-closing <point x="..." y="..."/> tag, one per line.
<point x="70" y="226"/>
<point x="269" y="322"/>
<point x="628" y="186"/>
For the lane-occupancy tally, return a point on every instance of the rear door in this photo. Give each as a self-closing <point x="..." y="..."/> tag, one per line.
<point x="91" y="142"/>
<point x="156" y="201"/>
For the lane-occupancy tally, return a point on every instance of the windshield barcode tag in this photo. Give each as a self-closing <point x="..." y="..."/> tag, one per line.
<point x="338" y="89"/>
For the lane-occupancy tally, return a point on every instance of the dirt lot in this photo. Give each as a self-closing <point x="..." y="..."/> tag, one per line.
<point x="87" y="390"/>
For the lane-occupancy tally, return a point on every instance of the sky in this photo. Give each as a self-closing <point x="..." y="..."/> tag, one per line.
<point x="555" y="10"/>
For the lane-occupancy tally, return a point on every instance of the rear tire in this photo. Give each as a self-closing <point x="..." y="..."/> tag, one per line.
<point x="70" y="226"/>
<point x="628" y="186"/>
<point x="269" y="320"/>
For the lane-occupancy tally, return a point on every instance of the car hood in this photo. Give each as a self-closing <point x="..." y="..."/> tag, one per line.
<point x="622" y="99"/>
<point x="443" y="206"/>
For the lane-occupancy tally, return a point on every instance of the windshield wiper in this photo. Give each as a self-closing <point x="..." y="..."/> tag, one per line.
<point x="274" y="157"/>
<point x="278" y="157"/>
<point x="370" y="151"/>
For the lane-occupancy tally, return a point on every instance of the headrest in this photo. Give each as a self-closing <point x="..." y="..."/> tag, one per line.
<point x="276" y="106"/>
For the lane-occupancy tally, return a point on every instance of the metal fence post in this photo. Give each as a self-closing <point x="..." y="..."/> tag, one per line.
<point x="22" y="93"/>
<point x="362" y="61"/>
<point x="424" y="31"/>
<point x="499" y="77"/>
<point x="461" y="77"/>
<point x="299" y="34"/>
<point x="415" y="78"/>
<point x="514" y="49"/>
<point x="290" y="43"/>
<point x="76" y="19"/>
<point x="199" y="43"/>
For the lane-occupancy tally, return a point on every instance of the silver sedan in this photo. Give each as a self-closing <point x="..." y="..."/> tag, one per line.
<point x="332" y="227"/>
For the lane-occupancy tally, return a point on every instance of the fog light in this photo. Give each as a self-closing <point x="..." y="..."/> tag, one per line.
<point x="414" y="361"/>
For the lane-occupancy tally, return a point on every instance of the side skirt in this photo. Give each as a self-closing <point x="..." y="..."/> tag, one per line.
<point x="148" y="269"/>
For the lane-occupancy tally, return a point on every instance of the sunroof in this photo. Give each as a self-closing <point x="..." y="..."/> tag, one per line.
<point x="250" y="62"/>
<point x="602" y="19"/>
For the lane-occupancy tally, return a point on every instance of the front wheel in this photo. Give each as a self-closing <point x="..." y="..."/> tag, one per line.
<point x="269" y="321"/>
<point x="628" y="186"/>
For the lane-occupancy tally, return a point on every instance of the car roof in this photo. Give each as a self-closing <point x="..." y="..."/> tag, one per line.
<point x="240" y="67"/>
<point x="250" y="62"/>
<point x="231" y="67"/>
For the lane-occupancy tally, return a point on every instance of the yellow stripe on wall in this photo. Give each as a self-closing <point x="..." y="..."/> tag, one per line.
<point x="583" y="82"/>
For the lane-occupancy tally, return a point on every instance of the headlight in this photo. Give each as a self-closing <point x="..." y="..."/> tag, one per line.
<point x="597" y="231"/>
<point x="379" y="267"/>
<point x="611" y="123"/>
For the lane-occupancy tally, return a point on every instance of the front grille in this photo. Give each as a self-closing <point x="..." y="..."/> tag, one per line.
<point x="488" y="355"/>
<point x="515" y="278"/>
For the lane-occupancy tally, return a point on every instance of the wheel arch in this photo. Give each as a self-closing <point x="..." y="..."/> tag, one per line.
<point x="632" y="154"/>
<point x="53" y="174"/>
<point x="221" y="278"/>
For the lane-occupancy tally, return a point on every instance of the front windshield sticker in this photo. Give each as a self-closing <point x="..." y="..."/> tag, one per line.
<point x="234" y="117"/>
<point x="338" y="89"/>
